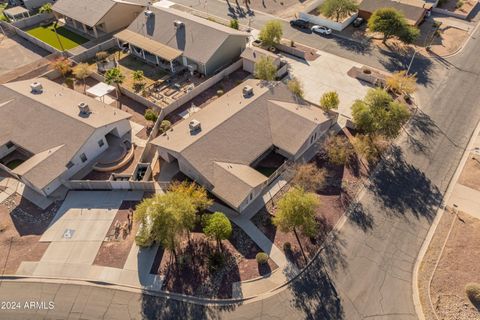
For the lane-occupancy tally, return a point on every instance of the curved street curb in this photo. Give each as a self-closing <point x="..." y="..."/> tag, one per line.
<point x="431" y="232"/>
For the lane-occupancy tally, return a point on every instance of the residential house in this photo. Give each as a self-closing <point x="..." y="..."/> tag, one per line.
<point x="223" y="145"/>
<point x="97" y="17"/>
<point x="413" y="10"/>
<point x="175" y="40"/>
<point x="49" y="132"/>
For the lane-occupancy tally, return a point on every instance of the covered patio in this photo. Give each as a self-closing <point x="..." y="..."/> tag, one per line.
<point x="16" y="13"/>
<point x="149" y="50"/>
<point x="92" y="31"/>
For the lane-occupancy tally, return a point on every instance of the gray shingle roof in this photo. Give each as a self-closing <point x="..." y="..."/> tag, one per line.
<point x="199" y="39"/>
<point x="237" y="130"/>
<point x="49" y="126"/>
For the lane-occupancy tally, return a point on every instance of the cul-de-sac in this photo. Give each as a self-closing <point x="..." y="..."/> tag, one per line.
<point x="240" y="159"/>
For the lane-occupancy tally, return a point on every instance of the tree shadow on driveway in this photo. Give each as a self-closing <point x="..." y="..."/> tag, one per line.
<point x="403" y="188"/>
<point x="421" y="66"/>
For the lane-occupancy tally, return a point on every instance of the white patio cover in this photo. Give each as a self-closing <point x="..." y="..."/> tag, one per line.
<point x="101" y="89"/>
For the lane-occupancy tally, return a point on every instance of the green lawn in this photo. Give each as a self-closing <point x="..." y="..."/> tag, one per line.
<point x="2" y="16"/>
<point x="68" y="38"/>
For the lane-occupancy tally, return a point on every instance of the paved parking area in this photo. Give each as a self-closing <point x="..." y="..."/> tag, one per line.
<point x="76" y="234"/>
<point x="16" y="52"/>
<point x="328" y="73"/>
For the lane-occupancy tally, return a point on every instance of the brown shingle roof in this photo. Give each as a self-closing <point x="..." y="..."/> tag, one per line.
<point x="411" y="13"/>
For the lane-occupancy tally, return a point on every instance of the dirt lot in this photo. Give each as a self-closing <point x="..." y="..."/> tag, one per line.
<point x="17" y="52"/>
<point x="21" y="226"/>
<point x="115" y="249"/>
<point x="457" y="267"/>
<point x="193" y="275"/>
<point x="470" y="176"/>
<point x="451" y="5"/>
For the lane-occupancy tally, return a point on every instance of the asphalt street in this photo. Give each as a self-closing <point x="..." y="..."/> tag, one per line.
<point x="365" y="270"/>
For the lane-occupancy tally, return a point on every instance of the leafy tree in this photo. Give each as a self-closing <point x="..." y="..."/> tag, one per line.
<point x="101" y="55"/>
<point x="82" y="71"/>
<point x="63" y="66"/>
<point x="401" y="83"/>
<point x="150" y="115"/>
<point x="338" y="149"/>
<point x="296" y="87"/>
<point x="165" y="218"/>
<point x="338" y="8"/>
<point x="46" y="8"/>
<point x="309" y="177"/>
<point x="390" y="22"/>
<point x="329" y="101"/>
<point x="370" y="146"/>
<point x="296" y="211"/>
<point x="165" y="125"/>
<point x="218" y="227"/>
<point x="271" y="33"/>
<point x="378" y="113"/>
<point x="194" y="192"/>
<point x="265" y="69"/>
<point x="234" y="24"/>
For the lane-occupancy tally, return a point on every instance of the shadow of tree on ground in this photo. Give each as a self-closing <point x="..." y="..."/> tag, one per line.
<point x="403" y="188"/>
<point x="314" y="292"/>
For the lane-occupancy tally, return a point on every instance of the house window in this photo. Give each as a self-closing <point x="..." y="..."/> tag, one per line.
<point x="311" y="139"/>
<point x="70" y="164"/>
<point x="83" y="157"/>
<point x="251" y="196"/>
<point x="101" y="143"/>
<point x="9" y="144"/>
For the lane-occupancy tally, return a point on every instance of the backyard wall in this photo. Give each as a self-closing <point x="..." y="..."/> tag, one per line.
<point x="90" y="53"/>
<point x="33" y="20"/>
<point x="451" y="14"/>
<point x="291" y="50"/>
<point x="332" y="24"/>
<point x="28" y="37"/>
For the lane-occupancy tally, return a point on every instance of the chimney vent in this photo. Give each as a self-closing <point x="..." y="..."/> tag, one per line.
<point x="36" y="87"/>
<point x="194" y="126"/>
<point x="247" y="91"/>
<point x="178" y="24"/>
<point x="84" y="109"/>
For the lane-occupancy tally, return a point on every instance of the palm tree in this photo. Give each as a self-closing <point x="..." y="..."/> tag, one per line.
<point x="115" y="77"/>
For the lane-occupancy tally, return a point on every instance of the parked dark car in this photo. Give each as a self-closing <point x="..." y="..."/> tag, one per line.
<point x="358" y="22"/>
<point x="299" y="23"/>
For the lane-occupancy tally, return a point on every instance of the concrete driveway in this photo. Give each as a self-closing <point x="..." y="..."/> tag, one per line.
<point x="328" y="73"/>
<point x="76" y="234"/>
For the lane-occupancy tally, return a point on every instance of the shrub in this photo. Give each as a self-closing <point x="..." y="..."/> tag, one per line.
<point x="287" y="246"/>
<point x="234" y="24"/>
<point x="70" y="82"/>
<point x="101" y="55"/>
<point x="459" y="4"/>
<point x="473" y="293"/>
<point x="165" y="125"/>
<point x="216" y="261"/>
<point x="150" y="115"/>
<point x="261" y="258"/>
<point x="220" y="93"/>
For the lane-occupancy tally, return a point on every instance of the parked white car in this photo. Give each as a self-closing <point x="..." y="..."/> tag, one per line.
<point x="321" y="30"/>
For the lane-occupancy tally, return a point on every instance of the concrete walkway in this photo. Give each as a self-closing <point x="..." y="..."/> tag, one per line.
<point x="9" y="186"/>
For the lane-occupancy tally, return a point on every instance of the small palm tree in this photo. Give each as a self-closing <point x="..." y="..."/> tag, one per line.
<point x="138" y="80"/>
<point x="115" y="77"/>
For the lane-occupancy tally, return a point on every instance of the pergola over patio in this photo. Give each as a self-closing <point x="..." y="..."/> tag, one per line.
<point x="16" y="13"/>
<point x="160" y="51"/>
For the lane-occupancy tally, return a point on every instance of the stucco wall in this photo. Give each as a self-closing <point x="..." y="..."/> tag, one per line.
<point x="120" y="16"/>
<point x="228" y="53"/>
